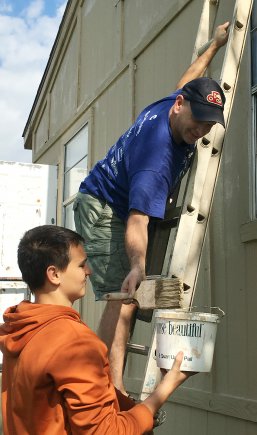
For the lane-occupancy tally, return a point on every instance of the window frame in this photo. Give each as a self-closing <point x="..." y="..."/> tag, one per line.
<point x="253" y="153"/>
<point x="70" y="199"/>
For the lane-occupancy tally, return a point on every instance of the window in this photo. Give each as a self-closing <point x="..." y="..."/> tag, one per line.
<point x="254" y="102"/>
<point x="75" y="170"/>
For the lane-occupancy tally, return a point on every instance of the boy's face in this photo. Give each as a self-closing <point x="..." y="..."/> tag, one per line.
<point x="73" y="280"/>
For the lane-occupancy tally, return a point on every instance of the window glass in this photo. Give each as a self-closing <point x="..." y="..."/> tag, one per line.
<point x="69" y="217"/>
<point x="75" y="170"/>
<point x="77" y="148"/>
<point x="73" y="179"/>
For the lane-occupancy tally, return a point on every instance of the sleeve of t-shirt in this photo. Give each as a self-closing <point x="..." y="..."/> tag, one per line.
<point x="148" y="193"/>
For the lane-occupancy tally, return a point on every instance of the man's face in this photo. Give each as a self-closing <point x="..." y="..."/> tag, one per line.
<point x="187" y="128"/>
<point x="73" y="280"/>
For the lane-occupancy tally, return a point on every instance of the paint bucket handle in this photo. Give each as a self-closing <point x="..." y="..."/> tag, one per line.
<point x="219" y="311"/>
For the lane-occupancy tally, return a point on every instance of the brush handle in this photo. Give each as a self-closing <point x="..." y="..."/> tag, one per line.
<point x="115" y="296"/>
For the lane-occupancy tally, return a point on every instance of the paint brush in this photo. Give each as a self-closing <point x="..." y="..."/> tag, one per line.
<point x="154" y="292"/>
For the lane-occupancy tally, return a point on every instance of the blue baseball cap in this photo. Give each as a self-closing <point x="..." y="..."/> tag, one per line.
<point x="206" y="99"/>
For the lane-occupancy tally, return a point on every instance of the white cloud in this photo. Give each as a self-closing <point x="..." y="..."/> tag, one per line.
<point x="34" y="10"/>
<point x="25" y="45"/>
<point x="5" y="6"/>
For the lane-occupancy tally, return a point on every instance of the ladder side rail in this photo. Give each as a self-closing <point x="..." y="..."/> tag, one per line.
<point x="229" y="75"/>
<point x="241" y="16"/>
<point x="205" y="30"/>
<point x="190" y="209"/>
<point x="206" y="25"/>
<point x="200" y="231"/>
<point x="228" y="80"/>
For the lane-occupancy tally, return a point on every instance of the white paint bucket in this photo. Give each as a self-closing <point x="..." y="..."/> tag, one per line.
<point x="193" y="333"/>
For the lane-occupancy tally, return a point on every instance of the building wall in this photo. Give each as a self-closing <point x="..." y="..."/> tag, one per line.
<point x="110" y="60"/>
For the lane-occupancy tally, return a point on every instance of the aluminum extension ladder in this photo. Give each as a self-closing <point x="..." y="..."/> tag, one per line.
<point x="183" y="255"/>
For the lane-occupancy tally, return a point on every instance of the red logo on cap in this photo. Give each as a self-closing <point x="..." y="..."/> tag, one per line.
<point x="214" y="98"/>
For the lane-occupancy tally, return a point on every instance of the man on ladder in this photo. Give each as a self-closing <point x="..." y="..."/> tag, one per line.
<point x="132" y="183"/>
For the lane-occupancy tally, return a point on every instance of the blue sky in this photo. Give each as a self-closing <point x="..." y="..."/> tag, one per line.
<point x="16" y="7"/>
<point x="27" y="32"/>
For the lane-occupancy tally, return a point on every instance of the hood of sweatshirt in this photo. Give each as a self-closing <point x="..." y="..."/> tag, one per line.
<point x="23" y="321"/>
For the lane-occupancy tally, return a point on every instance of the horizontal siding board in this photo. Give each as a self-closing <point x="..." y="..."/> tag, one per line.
<point x="237" y="407"/>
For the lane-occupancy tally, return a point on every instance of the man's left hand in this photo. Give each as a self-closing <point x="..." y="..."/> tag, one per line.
<point x="132" y="281"/>
<point x="221" y="34"/>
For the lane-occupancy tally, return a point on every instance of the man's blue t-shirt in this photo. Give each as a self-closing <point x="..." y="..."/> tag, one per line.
<point x="143" y="167"/>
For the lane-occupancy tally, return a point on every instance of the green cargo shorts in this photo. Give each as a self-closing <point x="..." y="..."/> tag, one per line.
<point x="103" y="232"/>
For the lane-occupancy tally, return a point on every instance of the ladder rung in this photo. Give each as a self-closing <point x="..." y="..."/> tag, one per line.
<point x="138" y="348"/>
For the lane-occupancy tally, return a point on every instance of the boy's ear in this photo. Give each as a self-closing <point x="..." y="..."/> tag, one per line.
<point x="52" y="273"/>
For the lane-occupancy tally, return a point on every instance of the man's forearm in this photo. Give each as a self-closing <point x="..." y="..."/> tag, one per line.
<point x="136" y="239"/>
<point x="198" y="67"/>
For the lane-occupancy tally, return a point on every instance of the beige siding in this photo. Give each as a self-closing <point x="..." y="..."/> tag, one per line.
<point x="113" y="58"/>
<point x="101" y="40"/>
<point x="63" y="92"/>
<point x="41" y="130"/>
<point x="140" y="17"/>
<point x="192" y="421"/>
<point x="112" y="112"/>
<point x="160" y="65"/>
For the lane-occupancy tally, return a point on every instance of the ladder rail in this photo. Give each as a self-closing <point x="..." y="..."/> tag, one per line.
<point x="202" y="42"/>
<point x="198" y="199"/>
<point x="186" y="256"/>
<point x="152" y="373"/>
<point x="206" y="27"/>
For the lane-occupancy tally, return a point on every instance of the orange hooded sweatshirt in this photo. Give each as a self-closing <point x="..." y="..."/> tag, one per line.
<point x="56" y="377"/>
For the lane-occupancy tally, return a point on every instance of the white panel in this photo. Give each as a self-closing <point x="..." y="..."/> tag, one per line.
<point x="28" y="199"/>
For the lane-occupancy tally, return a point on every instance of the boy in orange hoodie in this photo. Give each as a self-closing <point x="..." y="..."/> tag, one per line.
<point x="56" y="377"/>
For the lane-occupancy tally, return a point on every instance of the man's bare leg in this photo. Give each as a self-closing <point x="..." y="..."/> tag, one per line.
<point x="114" y="329"/>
